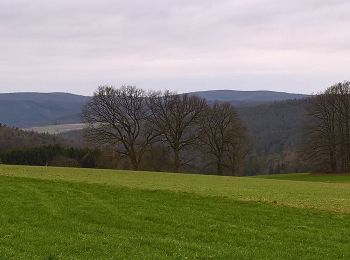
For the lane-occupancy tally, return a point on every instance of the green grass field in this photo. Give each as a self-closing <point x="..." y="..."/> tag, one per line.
<point x="332" y="178"/>
<point x="64" y="213"/>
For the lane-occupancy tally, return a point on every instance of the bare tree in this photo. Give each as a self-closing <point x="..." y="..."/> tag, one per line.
<point x="327" y="134"/>
<point x="320" y="142"/>
<point x="222" y="136"/>
<point x="176" y="119"/>
<point x="119" y="117"/>
<point x="340" y="93"/>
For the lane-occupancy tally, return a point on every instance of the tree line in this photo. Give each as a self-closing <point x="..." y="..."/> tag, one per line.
<point x="165" y="131"/>
<point x="52" y="155"/>
<point x="15" y="138"/>
<point x="142" y="126"/>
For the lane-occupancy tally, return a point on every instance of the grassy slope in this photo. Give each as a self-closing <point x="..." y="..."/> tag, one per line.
<point x="331" y="178"/>
<point x="43" y="219"/>
<point x="323" y="196"/>
<point x="90" y="214"/>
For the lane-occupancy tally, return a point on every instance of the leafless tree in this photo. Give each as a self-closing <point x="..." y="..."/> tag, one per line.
<point x="327" y="134"/>
<point x="222" y="136"/>
<point x="176" y="119"/>
<point x="320" y="149"/>
<point x="340" y="93"/>
<point x="119" y="117"/>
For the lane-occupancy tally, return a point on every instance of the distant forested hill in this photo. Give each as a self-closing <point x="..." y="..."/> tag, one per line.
<point x="276" y="126"/>
<point x="34" y="109"/>
<point x="247" y="98"/>
<point x="29" y="109"/>
<point x="275" y="130"/>
<point x="14" y="138"/>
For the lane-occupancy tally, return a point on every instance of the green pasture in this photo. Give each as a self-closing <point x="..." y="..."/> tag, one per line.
<point x="332" y="178"/>
<point x="65" y="213"/>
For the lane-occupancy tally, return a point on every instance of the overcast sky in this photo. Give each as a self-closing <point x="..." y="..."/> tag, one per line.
<point x="184" y="45"/>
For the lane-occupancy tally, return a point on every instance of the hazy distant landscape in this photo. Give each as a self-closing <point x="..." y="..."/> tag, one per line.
<point x="273" y="119"/>
<point x="39" y="109"/>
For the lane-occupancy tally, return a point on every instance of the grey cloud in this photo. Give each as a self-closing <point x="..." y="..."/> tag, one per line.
<point x="76" y="45"/>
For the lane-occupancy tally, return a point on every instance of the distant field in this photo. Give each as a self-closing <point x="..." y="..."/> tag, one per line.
<point x="64" y="213"/>
<point x="56" y="129"/>
<point x="332" y="178"/>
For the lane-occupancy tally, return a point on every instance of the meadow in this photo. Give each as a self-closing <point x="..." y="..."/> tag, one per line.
<point x="332" y="178"/>
<point x="66" y="213"/>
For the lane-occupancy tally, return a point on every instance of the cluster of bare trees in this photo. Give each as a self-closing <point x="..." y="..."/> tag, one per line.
<point x="327" y="143"/>
<point x="134" y="122"/>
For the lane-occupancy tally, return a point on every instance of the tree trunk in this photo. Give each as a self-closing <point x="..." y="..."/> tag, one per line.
<point x="219" y="166"/>
<point x="134" y="162"/>
<point x="176" y="160"/>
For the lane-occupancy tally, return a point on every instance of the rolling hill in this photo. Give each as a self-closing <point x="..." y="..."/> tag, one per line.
<point x="29" y="109"/>
<point x="15" y="138"/>
<point x="275" y="126"/>
<point x="34" y="109"/>
<point x="247" y="98"/>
